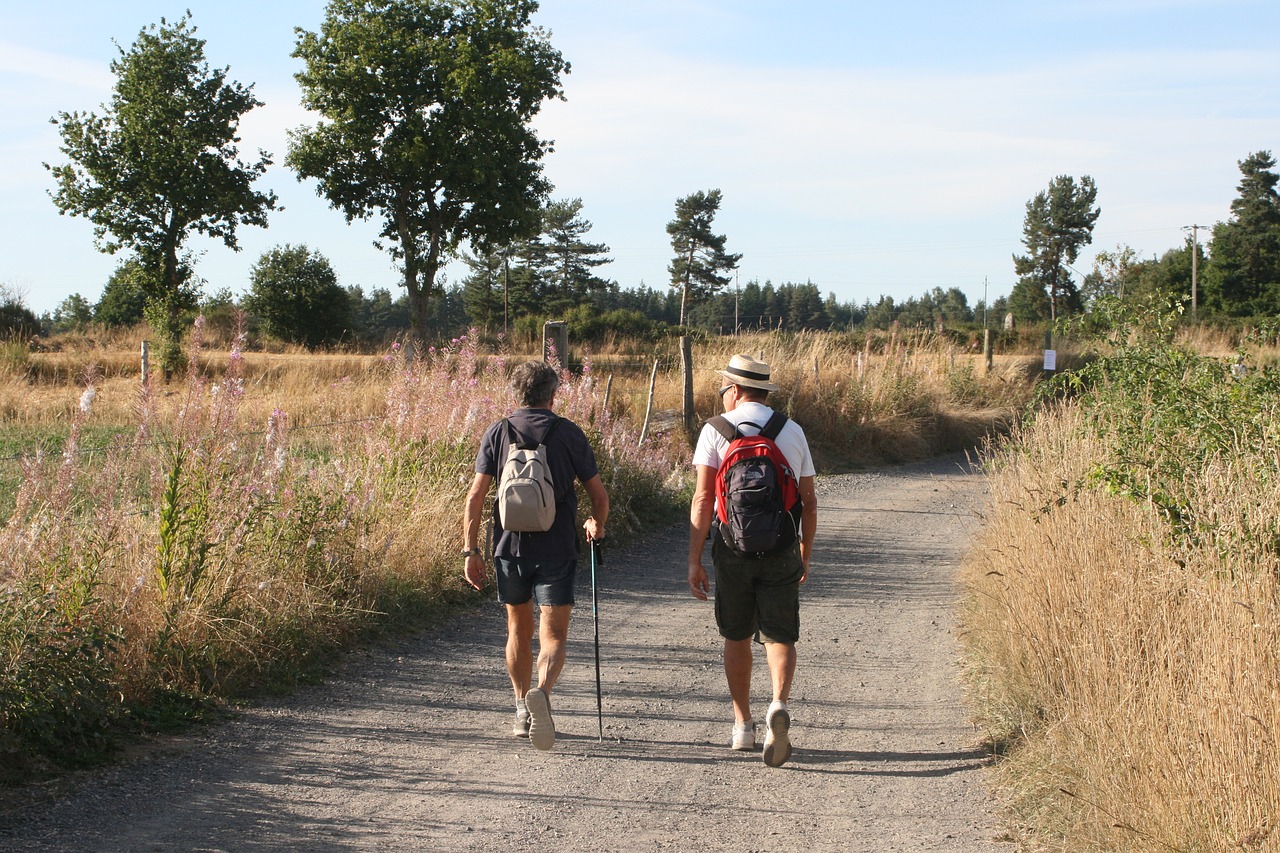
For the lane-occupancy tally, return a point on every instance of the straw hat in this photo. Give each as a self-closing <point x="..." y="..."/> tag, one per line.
<point x="746" y="371"/>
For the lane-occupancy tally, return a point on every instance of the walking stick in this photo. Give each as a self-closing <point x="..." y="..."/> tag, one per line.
<point x="595" y="614"/>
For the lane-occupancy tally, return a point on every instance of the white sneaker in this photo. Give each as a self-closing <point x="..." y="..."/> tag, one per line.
<point x="520" y="726"/>
<point x="744" y="736"/>
<point x="542" y="729"/>
<point x="777" y="737"/>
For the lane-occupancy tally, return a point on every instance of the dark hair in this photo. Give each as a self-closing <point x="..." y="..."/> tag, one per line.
<point x="750" y="392"/>
<point x="535" y="383"/>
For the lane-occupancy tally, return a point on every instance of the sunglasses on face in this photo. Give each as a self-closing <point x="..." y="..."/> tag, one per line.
<point x="722" y="391"/>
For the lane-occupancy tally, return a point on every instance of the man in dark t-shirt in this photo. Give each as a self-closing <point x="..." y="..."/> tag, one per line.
<point x="529" y="565"/>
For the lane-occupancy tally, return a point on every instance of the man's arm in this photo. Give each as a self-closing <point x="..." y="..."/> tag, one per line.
<point x="599" y="508"/>
<point x="808" y="521"/>
<point x="472" y="513"/>
<point x="700" y="510"/>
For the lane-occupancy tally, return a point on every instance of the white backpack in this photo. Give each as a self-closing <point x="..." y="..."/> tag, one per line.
<point x="526" y="492"/>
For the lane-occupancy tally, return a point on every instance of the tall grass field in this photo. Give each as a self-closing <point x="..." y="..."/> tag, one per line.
<point x="1122" y="619"/>
<point x="166" y="548"/>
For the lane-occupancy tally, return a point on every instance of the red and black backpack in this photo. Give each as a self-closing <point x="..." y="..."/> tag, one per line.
<point x="757" y="494"/>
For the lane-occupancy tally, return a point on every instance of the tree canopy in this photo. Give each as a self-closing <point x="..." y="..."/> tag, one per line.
<point x="570" y="258"/>
<point x="1058" y="223"/>
<point x="1244" y="271"/>
<point x="161" y="163"/>
<point x="295" y="293"/>
<point x="425" y="109"/>
<point x="701" y="264"/>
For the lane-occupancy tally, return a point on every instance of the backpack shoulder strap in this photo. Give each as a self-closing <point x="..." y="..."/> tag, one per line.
<point x="546" y="436"/>
<point x="774" y="426"/>
<point x="507" y="437"/>
<point x="722" y="425"/>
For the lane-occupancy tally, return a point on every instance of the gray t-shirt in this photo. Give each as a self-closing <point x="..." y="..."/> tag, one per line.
<point x="569" y="456"/>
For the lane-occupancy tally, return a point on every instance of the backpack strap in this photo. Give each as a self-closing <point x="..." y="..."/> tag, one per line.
<point x="722" y="425"/>
<point x="514" y="437"/>
<point x="774" y="426"/>
<point x="770" y="430"/>
<point x="546" y="436"/>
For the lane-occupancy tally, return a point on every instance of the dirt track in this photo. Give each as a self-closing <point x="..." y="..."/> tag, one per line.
<point x="409" y="749"/>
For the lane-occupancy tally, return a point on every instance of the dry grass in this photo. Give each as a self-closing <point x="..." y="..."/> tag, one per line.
<point x="207" y="536"/>
<point x="897" y="399"/>
<point x="1137" y="675"/>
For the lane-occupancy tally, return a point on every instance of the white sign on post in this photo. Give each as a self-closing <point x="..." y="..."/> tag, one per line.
<point x="1050" y="359"/>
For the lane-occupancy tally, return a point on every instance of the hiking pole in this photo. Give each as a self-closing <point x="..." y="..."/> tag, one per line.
<point x="595" y="615"/>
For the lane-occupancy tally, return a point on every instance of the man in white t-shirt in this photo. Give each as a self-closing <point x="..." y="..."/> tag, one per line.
<point x="756" y="596"/>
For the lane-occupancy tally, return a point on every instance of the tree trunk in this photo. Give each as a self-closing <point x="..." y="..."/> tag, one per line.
<point x="419" y="275"/>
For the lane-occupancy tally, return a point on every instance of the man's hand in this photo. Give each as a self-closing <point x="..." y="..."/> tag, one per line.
<point x="474" y="571"/>
<point x="698" y="583"/>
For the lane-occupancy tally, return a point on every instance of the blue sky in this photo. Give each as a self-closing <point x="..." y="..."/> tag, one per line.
<point x="871" y="148"/>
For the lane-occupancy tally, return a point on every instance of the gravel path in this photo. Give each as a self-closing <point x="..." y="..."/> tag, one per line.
<point x="408" y="748"/>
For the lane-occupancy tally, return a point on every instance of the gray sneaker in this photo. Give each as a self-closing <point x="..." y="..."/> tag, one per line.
<point x="744" y="736"/>
<point x="542" y="729"/>
<point x="777" y="737"/>
<point x="520" y="727"/>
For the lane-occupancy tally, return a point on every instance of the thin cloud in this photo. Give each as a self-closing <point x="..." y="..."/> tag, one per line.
<point x="54" y="68"/>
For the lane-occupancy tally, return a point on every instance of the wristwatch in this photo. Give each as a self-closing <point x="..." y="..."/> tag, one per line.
<point x="472" y="552"/>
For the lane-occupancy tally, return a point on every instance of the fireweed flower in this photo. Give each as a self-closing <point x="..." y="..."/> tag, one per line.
<point x="86" y="399"/>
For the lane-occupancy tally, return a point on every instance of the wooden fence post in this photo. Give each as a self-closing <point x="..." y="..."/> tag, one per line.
<point x="648" y="409"/>
<point x="686" y="359"/>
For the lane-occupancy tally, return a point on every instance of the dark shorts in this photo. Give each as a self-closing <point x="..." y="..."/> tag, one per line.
<point x="550" y="581"/>
<point x="759" y="596"/>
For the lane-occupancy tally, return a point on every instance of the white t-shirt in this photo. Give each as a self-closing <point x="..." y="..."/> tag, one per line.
<point x="791" y="441"/>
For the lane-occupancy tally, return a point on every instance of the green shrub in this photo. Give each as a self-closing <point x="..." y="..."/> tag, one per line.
<point x="56" y="694"/>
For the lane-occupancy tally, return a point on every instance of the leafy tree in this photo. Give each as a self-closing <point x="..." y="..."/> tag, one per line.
<point x="222" y="316"/>
<point x="16" y="319"/>
<point x="701" y="264"/>
<point x="425" y="108"/>
<point x="586" y="324"/>
<point x="295" y="293"/>
<point x="1113" y="273"/>
<point x="915" y="313"/>
<point x="1058" y="223"/>
<point x="569" y="258"/>
<point x="950" y="305"/>
<point x="73" y="314"/>
<point x="161" y="164"/>
<point x="124" y="298"/>
<point x="1244" y="269"/>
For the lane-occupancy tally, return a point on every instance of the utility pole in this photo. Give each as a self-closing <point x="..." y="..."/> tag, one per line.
<point x="1195" y="263"/>
<point x="736" y="293"/>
